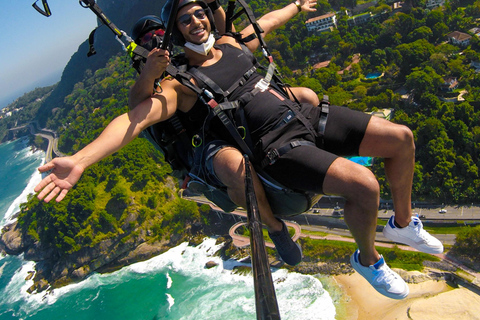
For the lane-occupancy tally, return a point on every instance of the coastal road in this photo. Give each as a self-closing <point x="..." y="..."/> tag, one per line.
<point x="446" y="239"/>
<point x="50" y="135"/>
<point x="334" y="234"/>
<point x="243" y="241"/>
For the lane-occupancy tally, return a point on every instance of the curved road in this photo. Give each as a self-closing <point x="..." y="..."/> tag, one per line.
<point x="334" y="234"/>
<point x="51" y="136"/>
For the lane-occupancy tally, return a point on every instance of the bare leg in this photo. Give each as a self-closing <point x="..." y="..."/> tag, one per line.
<point x="395" y="143"/>
<point x="359" y="187"/>
<point x="304" y="95"/>
<point x="229" y="167"/>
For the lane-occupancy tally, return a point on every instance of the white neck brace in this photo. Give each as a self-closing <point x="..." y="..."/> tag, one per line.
<point x="203" y="48"/>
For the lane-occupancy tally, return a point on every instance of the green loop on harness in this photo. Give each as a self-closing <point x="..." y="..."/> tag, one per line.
<point x="131" y="48"/>
<point x="196" y="141"/>
<point x="243" y="132"/>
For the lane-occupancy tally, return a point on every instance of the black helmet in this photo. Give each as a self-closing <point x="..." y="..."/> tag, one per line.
<point x="144" y="25"/>
<point x="177" y="37"/>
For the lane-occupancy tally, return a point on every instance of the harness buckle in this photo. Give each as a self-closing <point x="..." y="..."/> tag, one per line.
<point x="272" y="157"/>
<point x="262" y="85"/>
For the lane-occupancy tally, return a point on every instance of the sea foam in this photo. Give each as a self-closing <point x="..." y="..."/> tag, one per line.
<point x="193" y="291"/>
<point x="34" y="179"/>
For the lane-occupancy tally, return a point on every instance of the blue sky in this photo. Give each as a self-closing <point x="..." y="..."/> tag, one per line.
<point x="35" y="49"/>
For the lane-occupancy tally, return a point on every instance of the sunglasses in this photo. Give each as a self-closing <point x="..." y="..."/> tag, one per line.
<point x="186" y="19"/>
<point x="148" y="36"/>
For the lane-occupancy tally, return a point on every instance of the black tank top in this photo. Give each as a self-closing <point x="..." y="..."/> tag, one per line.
<point x="266" y="109"/>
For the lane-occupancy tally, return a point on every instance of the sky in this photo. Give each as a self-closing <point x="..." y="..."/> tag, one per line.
<point x="35" y="48"/>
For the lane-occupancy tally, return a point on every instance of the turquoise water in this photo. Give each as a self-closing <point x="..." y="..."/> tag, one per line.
<point x="17" y="175"/>
<point x="373" y="75"/>
<point x="174" y="285"/>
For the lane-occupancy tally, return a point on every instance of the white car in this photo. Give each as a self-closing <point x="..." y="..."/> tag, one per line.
<point x="442" y="211"/>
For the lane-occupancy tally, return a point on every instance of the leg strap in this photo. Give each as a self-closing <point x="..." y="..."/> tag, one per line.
<point x="273" y="155"/>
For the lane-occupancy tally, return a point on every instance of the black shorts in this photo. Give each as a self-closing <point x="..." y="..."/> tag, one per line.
<point x="304" y="167"/>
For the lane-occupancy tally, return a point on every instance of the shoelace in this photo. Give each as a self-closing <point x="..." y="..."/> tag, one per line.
<point x="384" y="274"/>
<point x="420" y="232"/>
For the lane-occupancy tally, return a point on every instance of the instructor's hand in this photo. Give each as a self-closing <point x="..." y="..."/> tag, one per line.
<point x="65" y="173"/>
<point x="157" y="62"/>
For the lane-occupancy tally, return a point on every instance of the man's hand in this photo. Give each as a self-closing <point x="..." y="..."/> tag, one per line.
<point x="65" y="173"/>
<point x="308" y="5"/>
<point x="156" y="64"/>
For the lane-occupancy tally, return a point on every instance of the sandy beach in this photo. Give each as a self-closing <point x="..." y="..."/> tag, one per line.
<point x="428" y="300"/>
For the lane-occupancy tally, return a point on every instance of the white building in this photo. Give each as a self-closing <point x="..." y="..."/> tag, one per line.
<point x="322" y="23"/>
<point x="459" y="38"/>
<point x="434" y="4"/>
<point x="359" y="19"/>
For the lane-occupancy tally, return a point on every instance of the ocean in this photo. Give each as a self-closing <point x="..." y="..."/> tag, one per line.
<point x="174" y="285"/>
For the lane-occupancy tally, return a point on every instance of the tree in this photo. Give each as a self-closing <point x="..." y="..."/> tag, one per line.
<point x="423" y="81"/>
<point x="439" y="30"/>
<point x="438" y="61"/>
<point x="313" y="84"/>
<point x="420" y="33"/>
<point x="456" y="67"/>
<point x="467" y="243"/>
<point x="378" y="58"/>
<point x="433" y="17"/>
<point x="415" y="53"/>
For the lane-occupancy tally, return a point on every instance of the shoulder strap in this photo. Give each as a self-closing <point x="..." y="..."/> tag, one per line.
<point x="231" y="16"/>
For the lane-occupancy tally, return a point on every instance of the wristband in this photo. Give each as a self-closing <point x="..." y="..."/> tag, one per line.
<point x="214" y="5"/>
<point x="299" y="5"/>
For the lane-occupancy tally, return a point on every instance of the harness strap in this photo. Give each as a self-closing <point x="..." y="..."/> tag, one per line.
<point x="229" y="15"/>
<point x="273" y="155"/>
<point x="91" y="40"/>
<point x="215" y="87"/>
<point x="99" y="12"/>
<point x="219" y="111"/>
<point x="322" y="122"/>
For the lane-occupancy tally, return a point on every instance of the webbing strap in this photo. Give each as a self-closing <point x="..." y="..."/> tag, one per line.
<point x="229" y="15"/>
<point x="322" y="122"/>
<point x="215" y="87"/>
<point x="219" y="112"/>
<point x="98" y="11"/>
<point x="272" y="156"/>
<point x="91" y="41"/>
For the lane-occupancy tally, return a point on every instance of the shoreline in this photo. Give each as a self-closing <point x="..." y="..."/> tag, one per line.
<point x="428" y="300"/>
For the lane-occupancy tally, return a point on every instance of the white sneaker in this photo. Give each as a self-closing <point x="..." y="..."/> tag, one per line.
<point x="413" y="235"/>
<point x="381" y="277"/>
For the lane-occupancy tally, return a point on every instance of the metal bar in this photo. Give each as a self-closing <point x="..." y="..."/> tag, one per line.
<point x="171" y="22"/>
<point x="265" y="298"/>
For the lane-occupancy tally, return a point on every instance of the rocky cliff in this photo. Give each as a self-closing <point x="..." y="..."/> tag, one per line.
<point x="53" y="271"/>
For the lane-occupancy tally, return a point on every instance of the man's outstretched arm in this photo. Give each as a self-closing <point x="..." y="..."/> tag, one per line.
<point x="66" y="171"/>
<point x="277" y="18"/>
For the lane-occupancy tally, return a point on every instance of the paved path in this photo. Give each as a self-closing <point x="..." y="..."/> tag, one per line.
<point x="243" y="241"/>
<point x="50" y="135"/>
<point x="341" y="235"/>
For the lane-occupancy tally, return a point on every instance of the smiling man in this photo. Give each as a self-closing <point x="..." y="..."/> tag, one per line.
<point x="299" y="145"/>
